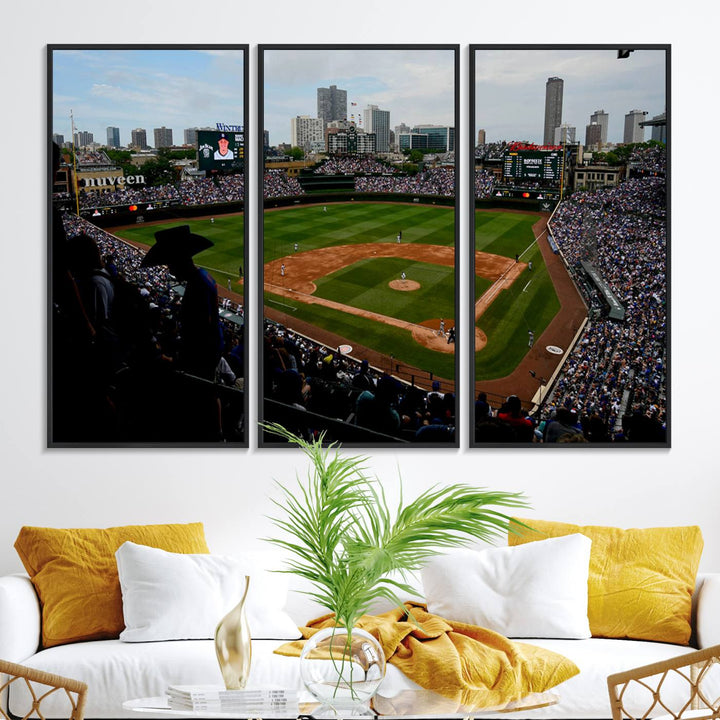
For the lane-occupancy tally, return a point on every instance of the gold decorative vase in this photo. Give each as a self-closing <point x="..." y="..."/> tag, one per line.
<point x="233" y="646"/>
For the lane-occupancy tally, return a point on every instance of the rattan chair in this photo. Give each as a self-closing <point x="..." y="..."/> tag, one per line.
<point x="690" y="683"/>
<point x="41" y="685"/>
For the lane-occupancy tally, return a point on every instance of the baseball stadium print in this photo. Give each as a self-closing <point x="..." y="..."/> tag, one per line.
<point x="358" y="259"/>
<point x="147" y="246"/>
<point x="569" y="301"/>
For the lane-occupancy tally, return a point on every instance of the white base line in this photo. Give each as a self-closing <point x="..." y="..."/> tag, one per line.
<point x="275" y="302"/>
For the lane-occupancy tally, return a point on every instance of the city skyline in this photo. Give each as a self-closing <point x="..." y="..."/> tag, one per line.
<point x="414" y="85"/>
<point x="510" y="89"/>
<point x="148" y="89"/>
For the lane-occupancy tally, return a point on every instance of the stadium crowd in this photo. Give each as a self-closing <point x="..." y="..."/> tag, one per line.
<point x="484" y="184"/>
<point x="308" y="376"/>
<point x="277" y="183"/>
<point x="649" y="160"/>
<point x="354" y="165"/>
<point x="434" y="181"/>
<point x="129" y="390"/>
<point x="612" y="387"/>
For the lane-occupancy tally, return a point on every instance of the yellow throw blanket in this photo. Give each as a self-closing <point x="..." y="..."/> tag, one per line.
<point x="469" y="665"/>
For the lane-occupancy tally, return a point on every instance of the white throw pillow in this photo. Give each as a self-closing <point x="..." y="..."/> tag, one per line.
<point x="176" y="596"/>
<point x="539" y="592"/>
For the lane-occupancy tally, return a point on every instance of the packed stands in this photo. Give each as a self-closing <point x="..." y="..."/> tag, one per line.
<point x="311" y="383"/>
<point x="612" y="387"/>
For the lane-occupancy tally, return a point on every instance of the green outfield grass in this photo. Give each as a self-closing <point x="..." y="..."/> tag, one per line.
<point x="354" y="224"/>
<point x="223" y="260"/>
<point x="365" y="284"/>
<point x="530" y="304"/>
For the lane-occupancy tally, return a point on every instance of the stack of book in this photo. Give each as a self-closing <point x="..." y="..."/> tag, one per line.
<point x="258" y="701"/>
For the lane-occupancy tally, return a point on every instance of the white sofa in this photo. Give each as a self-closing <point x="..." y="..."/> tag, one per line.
<point x="117" y="671"/>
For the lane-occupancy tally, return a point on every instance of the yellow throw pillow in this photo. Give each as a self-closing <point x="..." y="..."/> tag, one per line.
<point x="641" y="581"/>
<point x="75" y="574"/>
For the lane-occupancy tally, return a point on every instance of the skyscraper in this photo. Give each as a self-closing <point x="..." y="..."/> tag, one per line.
<point x="659" y="128"/>
<point x="163" y="137"/>
<point x="138" y="138"/>
<point x="593" y="135"/>
<point x="601" y="118"/>
<point x="440" y="137"/>
<point x="83" y="138"/>
<point x="634" y="132"/>
<point x="331" y="104"/>
<point x="306" y="130"/>
<point x="378" y="121"/>
<point x="113" y="137"/>
<point x="553" y="108"/>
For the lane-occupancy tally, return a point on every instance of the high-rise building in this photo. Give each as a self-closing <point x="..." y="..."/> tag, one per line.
<point x="659" y="128"/>
<point x="113" y="137"/>
<point x="553" y="108"/>
<point x="83" y="138"/>
<point x="564" y="134"/>
<point x="634" y="131"/>
<point x="306" y="130"/>
<point x="190" y="136"/>
<point x="593" y="136"/>
<point x="163" y="137"/>
<point x="58" y="138"/>
<point x="138" y="139"/>
<point x="440" y="137"/>
<point x="481" y="137"/>
<point x="331" y="104"/>
<point x="378" y="121"/>
<point x="601" y="118"/>
<point x="412" y="141"/>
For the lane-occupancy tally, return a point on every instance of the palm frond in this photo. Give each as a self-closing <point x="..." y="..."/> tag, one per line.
<point x="346" y="541"/>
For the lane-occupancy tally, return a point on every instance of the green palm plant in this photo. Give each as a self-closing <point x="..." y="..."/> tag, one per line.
<point x="343" y="537"/>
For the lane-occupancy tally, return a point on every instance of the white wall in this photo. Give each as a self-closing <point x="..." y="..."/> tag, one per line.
<point x="228" y="490"/>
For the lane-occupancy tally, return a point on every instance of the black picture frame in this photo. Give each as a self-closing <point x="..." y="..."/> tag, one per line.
<point x="108" y="383"/>
<point x="340" y="423"/>
<point x="638" y="411"/>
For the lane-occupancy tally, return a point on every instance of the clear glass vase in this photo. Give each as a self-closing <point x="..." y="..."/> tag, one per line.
<point x="342" y="670"/>
<point x="233" y="645"/>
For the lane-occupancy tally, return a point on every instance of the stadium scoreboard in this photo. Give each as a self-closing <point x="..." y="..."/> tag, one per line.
<point x="220" y="150"/>
<point x="533" y="164"/>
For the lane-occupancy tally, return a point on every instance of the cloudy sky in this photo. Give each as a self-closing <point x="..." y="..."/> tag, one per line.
<point x="416" y="86"/>
<point x="145" y="89"/>
<point x="510" y="89"/>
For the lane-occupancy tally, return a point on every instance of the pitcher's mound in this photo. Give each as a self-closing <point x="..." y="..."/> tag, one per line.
<point x="404" y="285"/>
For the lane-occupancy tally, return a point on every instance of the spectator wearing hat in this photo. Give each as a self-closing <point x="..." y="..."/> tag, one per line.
<point x="201" y="343"/>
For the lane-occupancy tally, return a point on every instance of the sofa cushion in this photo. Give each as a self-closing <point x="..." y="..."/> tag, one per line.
<point x="178" y="596"/>
<point x="530" y="591"/>
<point x="117" y="671"/>
<point x="641" y="581"/>
<point x="75" y="574"/>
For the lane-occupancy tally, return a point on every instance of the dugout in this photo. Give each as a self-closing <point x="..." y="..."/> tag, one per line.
<point x="616" y="310"/>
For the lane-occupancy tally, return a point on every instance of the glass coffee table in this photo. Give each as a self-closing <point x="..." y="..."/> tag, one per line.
<point x="412" y="704"/>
